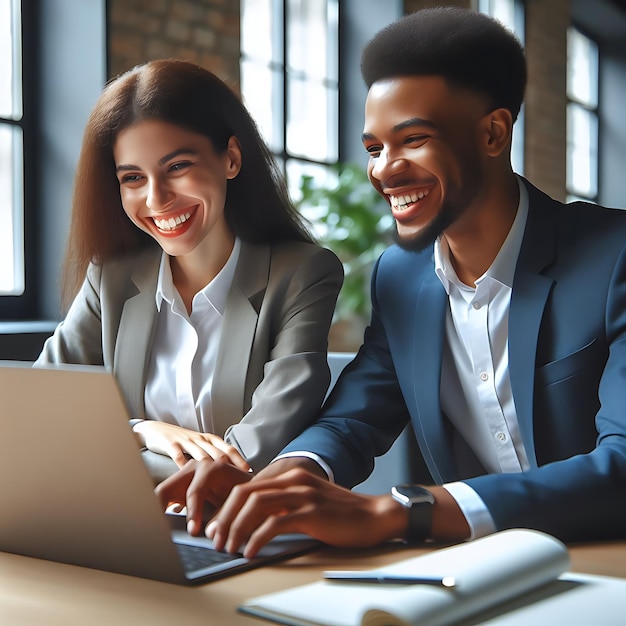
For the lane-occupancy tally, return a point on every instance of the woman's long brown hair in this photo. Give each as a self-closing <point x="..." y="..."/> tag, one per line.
<point x="257" y="207"/>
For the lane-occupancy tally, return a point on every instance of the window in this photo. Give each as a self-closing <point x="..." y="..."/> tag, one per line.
<point x="511" y="14"/>
<point x="11" y="151"/>
<point x="289" y="81"/>
<point x="582" y="117"/>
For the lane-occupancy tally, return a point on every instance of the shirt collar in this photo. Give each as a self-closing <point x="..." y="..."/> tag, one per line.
<point x="503" y="267"/>
<point x="215" y="293"/>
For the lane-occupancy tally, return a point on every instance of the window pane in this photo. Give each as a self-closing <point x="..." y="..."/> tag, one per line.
<point x="261" y="89"/>
<point x="11" y="233"/>
<point x="582" y="69"/>
<point x="582" y="149"/>
<point x="311" y="121"/>
<point x="321" y="175"/>
<point x="10" y="94"/>
<point x="502" y="10"/>
<point x="259" y="30"/>
<point x="311" y="31"/>
<point x="292" y="93"/>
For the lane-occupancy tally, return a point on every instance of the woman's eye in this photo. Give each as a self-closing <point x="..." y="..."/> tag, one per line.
<point x="130" y="178"/>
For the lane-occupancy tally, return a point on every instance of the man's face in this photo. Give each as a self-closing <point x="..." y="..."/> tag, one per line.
<point x="423" y="138"/>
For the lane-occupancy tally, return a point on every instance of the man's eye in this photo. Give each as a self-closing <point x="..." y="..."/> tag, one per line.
<point x="180" y="165"/>
<point x="373" y="151"/>
<point x="415" y="139"/>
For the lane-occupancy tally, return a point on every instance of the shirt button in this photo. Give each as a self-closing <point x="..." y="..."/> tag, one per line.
<point x="484" y="376"/>
<point x="500" y="436"/>
<point x="476" y="305"/>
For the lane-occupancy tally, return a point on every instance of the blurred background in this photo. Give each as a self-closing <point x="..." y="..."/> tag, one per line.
<point x="296" y="65"/>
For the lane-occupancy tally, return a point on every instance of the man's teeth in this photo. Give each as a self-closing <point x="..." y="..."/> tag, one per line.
<point x="172" y="222"/>
<point x="400" y="202"/>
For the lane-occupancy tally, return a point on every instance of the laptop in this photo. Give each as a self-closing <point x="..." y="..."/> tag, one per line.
<point x="74" y="488"/>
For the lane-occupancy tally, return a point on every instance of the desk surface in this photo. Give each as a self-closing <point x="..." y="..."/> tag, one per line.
<point x="40" y="592"/>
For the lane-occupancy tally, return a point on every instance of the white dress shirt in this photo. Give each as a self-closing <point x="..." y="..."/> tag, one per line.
<point x="184" y="351"/>
<point x="475" y="392"/>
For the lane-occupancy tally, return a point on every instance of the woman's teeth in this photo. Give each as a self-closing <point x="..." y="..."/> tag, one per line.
<point x="172" y="222"/>
<point x="399" y="203"/>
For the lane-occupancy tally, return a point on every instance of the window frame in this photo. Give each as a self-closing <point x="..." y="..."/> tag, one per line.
<point x="279" y="67"/>
<point x="592" y="110"/>
<point x="25" y="305"/>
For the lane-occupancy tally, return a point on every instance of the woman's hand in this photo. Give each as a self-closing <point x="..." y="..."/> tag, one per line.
<point x="181" y="444"/>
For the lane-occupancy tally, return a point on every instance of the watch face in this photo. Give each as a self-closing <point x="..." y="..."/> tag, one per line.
<point x="411" y="494"/>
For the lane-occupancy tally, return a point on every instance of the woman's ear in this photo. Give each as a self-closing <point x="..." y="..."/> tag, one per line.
<point x="233" y="157"/>
<point x="498" y="126"/>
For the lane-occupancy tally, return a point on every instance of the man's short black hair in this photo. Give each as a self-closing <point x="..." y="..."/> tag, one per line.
<point x="465" y="47"/>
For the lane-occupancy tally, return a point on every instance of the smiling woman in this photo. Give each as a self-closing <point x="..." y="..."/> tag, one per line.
<point x="173" y="187"/>
<point x="191" y="275"/>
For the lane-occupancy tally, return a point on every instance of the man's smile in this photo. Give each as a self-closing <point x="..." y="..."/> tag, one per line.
<point x="402" y="201"/>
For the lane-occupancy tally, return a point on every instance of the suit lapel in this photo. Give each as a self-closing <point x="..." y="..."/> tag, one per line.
<point x="428" y="324"/>
<point x="240" y="322"/>
<point x="136" y="331"/>
<point x="531" y="290"/>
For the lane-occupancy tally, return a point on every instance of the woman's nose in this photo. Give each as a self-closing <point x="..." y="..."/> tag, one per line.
<point x="159" y="196"/>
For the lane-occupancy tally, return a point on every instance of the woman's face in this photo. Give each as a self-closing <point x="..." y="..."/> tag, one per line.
<point x="173" y="185"/>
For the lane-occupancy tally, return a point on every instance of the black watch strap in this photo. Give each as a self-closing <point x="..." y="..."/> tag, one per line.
<point x="420" y="522"/>
<point x="419" y="502"/>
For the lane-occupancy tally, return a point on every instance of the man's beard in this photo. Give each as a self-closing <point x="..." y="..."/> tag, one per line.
<point x="426" y="237"/>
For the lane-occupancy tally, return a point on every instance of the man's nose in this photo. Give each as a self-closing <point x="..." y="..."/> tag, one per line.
<point x="387" y="165"/>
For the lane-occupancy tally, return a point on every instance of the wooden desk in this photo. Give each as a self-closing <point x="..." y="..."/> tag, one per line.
<point x="49" y="594"/>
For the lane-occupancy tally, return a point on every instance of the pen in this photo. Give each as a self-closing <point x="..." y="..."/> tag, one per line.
<point x="389" y="579"/>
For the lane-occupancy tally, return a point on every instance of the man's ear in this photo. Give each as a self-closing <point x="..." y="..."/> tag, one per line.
<point x="498" y="130"/>
<point x="234" y="157"/>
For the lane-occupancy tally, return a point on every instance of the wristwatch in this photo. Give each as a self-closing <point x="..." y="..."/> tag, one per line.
<point x="420" y="502"/>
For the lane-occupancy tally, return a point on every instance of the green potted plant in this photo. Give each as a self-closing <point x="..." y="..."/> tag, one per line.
<point x="350" y="219"/>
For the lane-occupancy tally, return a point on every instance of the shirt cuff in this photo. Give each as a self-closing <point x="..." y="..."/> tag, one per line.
<point x="473" y="508"/>
<point x="309" y="455"/>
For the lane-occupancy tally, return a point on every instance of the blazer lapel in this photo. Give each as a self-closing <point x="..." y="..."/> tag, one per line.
<point x="530" y="293"/>
<point x="136" y="332"/>
<point x="240" y="322"/>
<point x="428" y="324"/>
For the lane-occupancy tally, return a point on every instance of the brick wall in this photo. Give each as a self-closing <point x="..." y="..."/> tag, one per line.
<point x="546" y="97"/>
<point x="203" y="31"/>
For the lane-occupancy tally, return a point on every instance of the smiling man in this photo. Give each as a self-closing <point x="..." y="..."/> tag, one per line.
<point x="498" y="328"/>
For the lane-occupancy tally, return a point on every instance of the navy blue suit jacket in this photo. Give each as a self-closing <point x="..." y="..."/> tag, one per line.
<point x="567" y="361"/>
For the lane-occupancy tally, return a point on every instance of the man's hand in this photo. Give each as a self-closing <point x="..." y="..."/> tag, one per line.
<point x="181" y="443"/>
<point x="199" y="482"/>
<point x="297" y="501"/>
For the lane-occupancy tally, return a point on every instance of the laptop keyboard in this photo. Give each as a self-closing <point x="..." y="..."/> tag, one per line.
<point x="196" y="557"/>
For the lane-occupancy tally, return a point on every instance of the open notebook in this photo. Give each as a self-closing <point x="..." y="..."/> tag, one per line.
<point x="74" y="489"/>
<point x="516" y="577"/>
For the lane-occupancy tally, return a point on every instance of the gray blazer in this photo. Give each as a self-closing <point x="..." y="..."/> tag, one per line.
<point x="271" y="374"/>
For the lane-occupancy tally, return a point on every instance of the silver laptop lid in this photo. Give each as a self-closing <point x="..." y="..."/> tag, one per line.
<point x="72" y="483"/>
